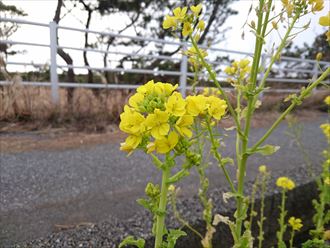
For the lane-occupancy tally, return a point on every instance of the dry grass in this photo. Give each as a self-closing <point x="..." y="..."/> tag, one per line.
<point x="20" y="103"/>
<point x="90" y="111"/>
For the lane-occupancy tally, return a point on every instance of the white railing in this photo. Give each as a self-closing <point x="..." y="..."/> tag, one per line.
<point x="310" y="67"/>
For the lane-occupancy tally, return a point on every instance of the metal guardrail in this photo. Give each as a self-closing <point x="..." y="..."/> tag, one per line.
<point x="182" y="73"/>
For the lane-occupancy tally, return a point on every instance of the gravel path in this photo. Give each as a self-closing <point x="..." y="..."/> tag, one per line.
<point x="41" y="190"/>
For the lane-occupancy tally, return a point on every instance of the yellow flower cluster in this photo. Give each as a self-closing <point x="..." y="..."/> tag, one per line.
<point x="211" y="91"/>
<point x="327" y="100"/>
<point x="295" y="223"/>
<point x="325" y="21"/>
<point x="285" y="183"/>
<point x="157" y="116"/>
<point x="291" y="5"/>
<point x="316" y="5"/>
<point x="193" y="57"/>
<point x="262" y="168"/>
<point x="238" y="69"/>
<point x="326" y="129"/>
<point x="181" y="18"/>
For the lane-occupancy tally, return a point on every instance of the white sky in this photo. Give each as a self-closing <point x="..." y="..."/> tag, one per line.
<point x="43" y="11"/>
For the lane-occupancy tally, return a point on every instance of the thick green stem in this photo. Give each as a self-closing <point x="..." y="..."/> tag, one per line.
<point x="261" y="29"/>
<point x="258" y="46"/>
<point x="160" y="221"/>
<point x="282" y="219"/>
<point x="302" y="96"/>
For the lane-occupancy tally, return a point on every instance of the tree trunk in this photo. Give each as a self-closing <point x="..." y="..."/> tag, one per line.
<point x="66" y="57"/>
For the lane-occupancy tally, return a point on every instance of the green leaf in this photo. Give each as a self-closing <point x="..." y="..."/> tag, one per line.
<point x="144" y="203"/>
<point x="131" y="241"/>
<point x="157" y="162"/>
<point x="178" y="176"/>
<point x="265" y="150"/>
<point x="227" y="160"/>
<point x="173" y="236"/>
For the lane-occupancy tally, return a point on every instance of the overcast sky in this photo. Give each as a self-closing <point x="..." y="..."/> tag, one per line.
<point x="43" y="11"/>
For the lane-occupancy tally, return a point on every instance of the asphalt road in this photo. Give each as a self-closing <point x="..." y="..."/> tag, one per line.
<point x="41" y="189"/>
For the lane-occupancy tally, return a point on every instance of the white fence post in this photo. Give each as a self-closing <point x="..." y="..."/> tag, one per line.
<point x="183" y="71"/>
<point x="53" y="62"/>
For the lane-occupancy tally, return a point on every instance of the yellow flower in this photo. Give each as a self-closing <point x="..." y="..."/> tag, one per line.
<point x="192" y="52"/>
<point x="166" y="144"/>
<point x="208" y="91"/>
<point x="326" y="129"/>
<point x="327" y="100"/>
<point x="285" y="183"/>
<point x="131" y="142"/>
<point x="179" y="13"/>
<point x="169" y="22"/>
<point x="216" y="107"/>
<point x="196" y="104"/>
<point x="183" y="124"/>
<point x="158" y="124"/>
<point x="327" y="34"/>
<point x="171" y="188"/>
<point x="289" y="9"/>
<point x="318" y="56"/>
<point x="146" y="88"/>
<point x="176" y="105"/>
<point x="243" y="63"/>
<point x="196" y="9"/>
<point x="317" y="5"/>
<point x="327" y="181"/>
<point x="186" y="29"/>
<point x="325" y="20"/>
<point x="169" y="88"/>
<point x="230" y="70"/>
<point x="262" y="168"/>
<point x="131" y="121"/>
<point x="295" y="223"/>
<point x="136" y="100"/>
<point x="201" y="25"/>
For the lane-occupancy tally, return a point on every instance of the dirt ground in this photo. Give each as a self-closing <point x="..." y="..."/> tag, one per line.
<point x="18" y="137"/>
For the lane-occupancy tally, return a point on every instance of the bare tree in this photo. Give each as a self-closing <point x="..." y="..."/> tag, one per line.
<point x="66" y="57"/>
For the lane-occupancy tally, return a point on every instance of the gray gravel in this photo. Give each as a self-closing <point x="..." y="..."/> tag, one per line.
<point x="85" y="186"/>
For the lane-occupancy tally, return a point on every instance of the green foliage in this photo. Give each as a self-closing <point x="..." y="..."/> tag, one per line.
<point x="265" y="150"/>
<point x="130" y="240"/>
<point x="172" y="236"/>
<point x="315" y="243"/>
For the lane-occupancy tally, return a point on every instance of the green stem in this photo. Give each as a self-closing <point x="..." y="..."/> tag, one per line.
<point x="238" y="140"/>
<point x="160" y="220"/>
<point x="180" y="219"/>
<point x="253" y="79"/>
<point x="302" y="96"/>
<point x="253" y="197"/>
<point x="258" y="47"/>
<point x="281" y="220"/>
<point x="321" y="208"/>
<point x="291" y="239"/>
<point x="262" y="208"/>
